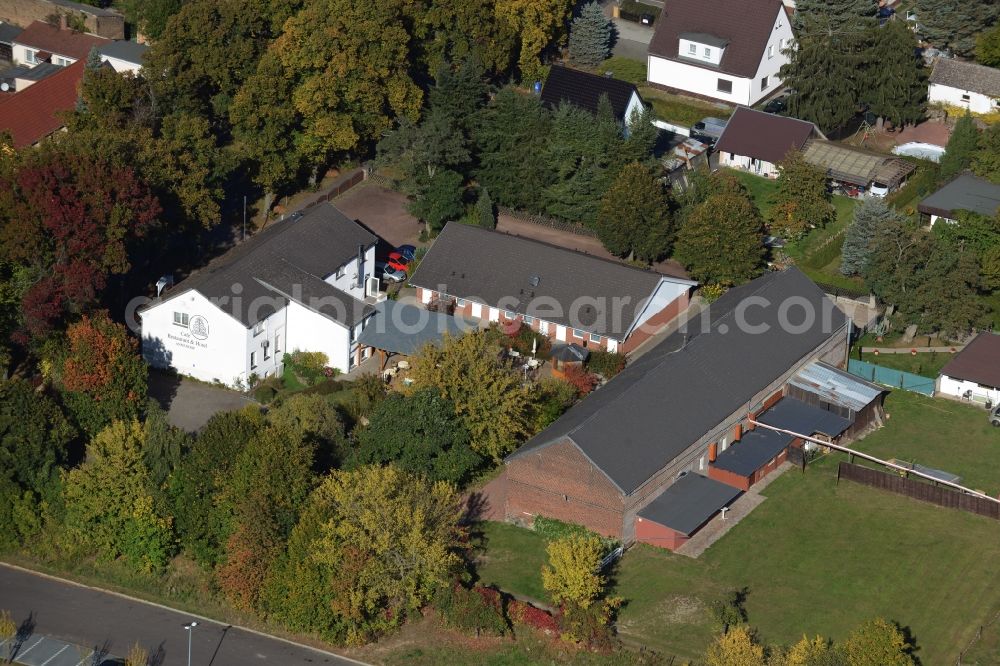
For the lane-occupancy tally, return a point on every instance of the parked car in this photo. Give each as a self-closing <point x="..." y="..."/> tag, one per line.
<point x="408" y="252"/>
<point x="397" y="261"/>
<point x="392" y="274"/>
<point x="776" y="106"/>
<point x="995" y="417"/>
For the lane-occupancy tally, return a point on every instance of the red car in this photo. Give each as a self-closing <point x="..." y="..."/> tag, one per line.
<point x="397" y="261"/>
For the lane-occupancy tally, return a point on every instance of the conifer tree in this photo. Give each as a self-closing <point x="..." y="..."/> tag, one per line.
<point x="897" y="78"/>
<point x="954" y="24"/>
<point x="634" y="217"/>
<point x="871" y="216"/>
<point x="590" y="36"/>
<point x="961" y="147"/>
<point x="486" y="212"/>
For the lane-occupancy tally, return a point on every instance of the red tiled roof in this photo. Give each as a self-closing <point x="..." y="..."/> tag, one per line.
<point x="45" y="37"/>
<point x="744" y="24"/>
<point x="764" y="136"/>
<point x="34" y="113"/>
<point x="979" y="362"/>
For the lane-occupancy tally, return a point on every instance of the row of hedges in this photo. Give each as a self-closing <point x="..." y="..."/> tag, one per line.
<point x="487" y="611"/>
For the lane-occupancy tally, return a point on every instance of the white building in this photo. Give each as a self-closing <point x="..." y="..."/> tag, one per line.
<point x="123" y="55"/>
<point x="727" y="50"/>
<point x="965" y="84"/>
<point x="303" y="284"/>
<point x="42" y="42"/>
<point x="974" y="373"/>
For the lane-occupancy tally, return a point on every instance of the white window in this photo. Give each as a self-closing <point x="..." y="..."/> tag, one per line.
<point x="460" y="302"/>
<point x="62" y="62"/>
<point x="708" y="53"/>
<point x="693" y="49"/>
<point x="770" y="51"/>
<point x="266" y="346"/>
<point x="508" y="314"/>
<point x="258" y="328"/>
<point x="724" y="86"/>
<point x="529" y="320"/>
<point x="763" y="83"/>
<point x="253" y="360"/>
<point x="595" y="338"/>
<point x="277" y="343"/>
<point x="781" y="43"/>
<point x="340" y="272"/>
<point x="30" y="56"/>
<point x="578" y="333"/>
<point x="543" y="327"/>
<point x="701" y="464"/>
<point x="723" y="444"/>
<point x="181" y="319"/>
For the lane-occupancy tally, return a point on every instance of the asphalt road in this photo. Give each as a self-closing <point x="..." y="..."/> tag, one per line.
<point x="90" y="617"/>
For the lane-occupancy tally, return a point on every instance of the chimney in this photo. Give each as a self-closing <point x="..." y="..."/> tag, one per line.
<point x="63" y="22"/>
<point x="361" y="266"/>
<point x="713" y="452"/>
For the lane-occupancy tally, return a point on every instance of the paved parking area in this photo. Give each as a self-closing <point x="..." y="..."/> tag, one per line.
<point x="382" y="211"/>
<point x="190" y="404"/>
<point x="38" y="650"/>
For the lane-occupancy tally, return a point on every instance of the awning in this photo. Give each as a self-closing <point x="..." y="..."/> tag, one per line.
<point x="836" y="386"/>
<point x="571" y="353"/>
<point x="404" y="328"/>
<point x="754" y="450"/>
<point x="803" y="418"/>
<point x="689" y="503"/>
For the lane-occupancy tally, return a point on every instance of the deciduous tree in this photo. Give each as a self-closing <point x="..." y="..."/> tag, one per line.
<point x="961" y="148"/>
<point x="540" y="24"/>
<point x="590" y="36"/>
<point x="877" y="643"/>
<point x="736" y="647"/>
<point x="487" y="395"/>
<point x="801" y="201"/>
<point x="572" y="575"/>
<point x="634" y="218"/>
<point x="468" y="31"/>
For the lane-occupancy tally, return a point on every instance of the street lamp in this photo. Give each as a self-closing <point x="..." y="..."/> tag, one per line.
<point x="189" y="626"/>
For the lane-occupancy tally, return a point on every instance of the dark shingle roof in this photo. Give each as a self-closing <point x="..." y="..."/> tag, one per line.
<point x="8" y="32"/>
<point x="584" y="90"/>
<point x="979" y="362"/>
<point x="501" y="270"/>
<point x="40" y="71"/>
<point x="44" y="37"/>
<point x="803" y="418"/>
<point x="689" y="383"/>
<point x="754" y="450"/>
<point x="745" y="24"/>
<point x="966" y="76"/>
<point x="404" y="328"/>
<point x="966" y="192"/>
<point x="764" y="136"/>
<point x="299" y="250"/>
<point x="123" y="49"/>
<point x="689" y="503"/>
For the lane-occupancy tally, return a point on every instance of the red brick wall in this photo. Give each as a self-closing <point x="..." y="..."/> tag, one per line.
<point x="490" y="501"/>
<point x="729" y="478"/>
<point x="655" y="534"/>
<point x="653" y="325"/>
<point x="559" y="482"/>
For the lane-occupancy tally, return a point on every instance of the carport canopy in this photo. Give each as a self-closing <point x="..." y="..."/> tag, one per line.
<point x="403" y="328"/>
<point x="689" y="503"/>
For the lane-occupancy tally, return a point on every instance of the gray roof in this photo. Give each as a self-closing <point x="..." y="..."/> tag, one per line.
<point x="584" y="90"/>
<point x="300" y="250"/>
<point x="689" y="503"/>
<point x="704" y="38"/>
<point x="9" y="32"/>
<point x="123" y="49"/>
<point x="754" y="450"/>
<point x="689" y="383"/>
<point x="804" y="419"/>
<point x="404" y="328"/>
<point x="835" y="386"/>
<point x="966" y="192"/>
<point x="966" y="76"/>
<point x="39" y="71"/>
<point x="532" y="278"/>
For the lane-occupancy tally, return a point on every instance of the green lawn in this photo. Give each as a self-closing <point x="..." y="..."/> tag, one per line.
<point x="817" y="557"/>
<point x="512" y="559"/>
<point x="927" y="365"/>
<point x="940" y="433"/>
<point x="680" y="110"/>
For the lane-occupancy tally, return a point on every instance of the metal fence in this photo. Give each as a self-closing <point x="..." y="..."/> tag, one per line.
<point x="890" y="377"/>
<point x="926" y="492"/>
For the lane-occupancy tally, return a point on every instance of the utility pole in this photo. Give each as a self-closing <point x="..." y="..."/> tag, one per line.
<point x="244" y="217"/>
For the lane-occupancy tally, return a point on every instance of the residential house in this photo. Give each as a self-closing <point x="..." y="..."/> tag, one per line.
<point x="974" y="373"/>
<point x="757" y="142"/>
<point x="965" y="84"/>
<point x="20" y="77"/>
<point x="584" y="90"/>
<point x="305" y="283"/>
<point x="124" y="56"/>
<point x="36" y="112"/>
<point x="8" y="33"/>
<point x="569" y="296"/>
<point x="857" y="169"/>
<point x="724" y="50"/>
<point x="610" y="461"/>
<point x="965" y="192"/>
<point x="44" y="42"/>
<point x="101" y="21"/>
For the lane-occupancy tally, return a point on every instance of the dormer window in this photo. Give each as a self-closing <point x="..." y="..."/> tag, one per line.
<point x="708" y="53"/>
<point x="693" y="49"/>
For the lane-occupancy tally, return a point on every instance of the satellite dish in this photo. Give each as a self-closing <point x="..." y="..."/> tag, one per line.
<point x="5" y="87"/>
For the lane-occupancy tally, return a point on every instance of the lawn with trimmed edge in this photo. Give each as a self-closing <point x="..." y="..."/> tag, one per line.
<point x="817" y="557"/>
<point x="927" y="364"/>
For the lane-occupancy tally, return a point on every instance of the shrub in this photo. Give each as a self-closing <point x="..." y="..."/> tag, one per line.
<point x="605" y="363"/>
<point x="592" y="626"/>
<point x="553" y="530"/>
<point x="583" y="381"/>
<point x="712" y="292"/>
<point x="522" y="613"/>
<point x="554" y="397"/>
<point x="478" y="610"/>
<point x="309" y="366"/>
<point x="267" y="390"/>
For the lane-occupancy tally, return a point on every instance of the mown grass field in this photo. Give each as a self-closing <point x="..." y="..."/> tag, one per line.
<point x="926" y="364"/>
<point x="817" y="557"/>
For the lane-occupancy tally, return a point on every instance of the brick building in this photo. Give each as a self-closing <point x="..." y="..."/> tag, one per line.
<point x="611" y="459"/>
<point x="569" y="296"/>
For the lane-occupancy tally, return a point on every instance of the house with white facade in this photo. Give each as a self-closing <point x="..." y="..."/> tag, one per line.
<point x="565" y="85"/>
<point x="974" y="373"/>
<point x="757" y="142"/>
<point x="43" y="42"/>
<point x="569" y="296"/>
<point x="965" y="84"/>
<point x="123" y="55"/>
<point x="304" y="284"/>
<point x="725" y="50"/>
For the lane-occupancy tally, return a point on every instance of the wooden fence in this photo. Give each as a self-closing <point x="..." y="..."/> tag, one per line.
<point x="339" y="186"/>
<point x="926" y="492"/>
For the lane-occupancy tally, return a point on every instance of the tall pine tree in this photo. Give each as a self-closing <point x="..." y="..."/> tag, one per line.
<point x="590" y="36"/>
<point x="897" y="78"/>
<point x="961" y="147"/>
<point x="870" y="217"/>
<point x="986" y="161"/>
<point x="954" y="24"/>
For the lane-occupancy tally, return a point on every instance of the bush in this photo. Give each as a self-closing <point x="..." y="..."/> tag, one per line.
<point x="631" y="10"/>
<point x="267" y="390"/>
<point x="552" y="529"/>
<point x="583" y="381"/>
<point x="593" y="626"/>
<point x="605" y="363"/>
<point x="554" y="397"/>
<point x="478" y="610"/>
<point x="309" y="366"/>
<point x="522" y="613"/>
<point x="712" y="292"/>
